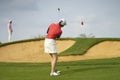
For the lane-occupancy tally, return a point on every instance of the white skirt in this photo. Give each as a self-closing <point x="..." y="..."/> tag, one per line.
<point x="50" y="46"/>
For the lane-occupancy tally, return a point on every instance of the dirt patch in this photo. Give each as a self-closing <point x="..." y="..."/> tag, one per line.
<point x="34" y="51"/>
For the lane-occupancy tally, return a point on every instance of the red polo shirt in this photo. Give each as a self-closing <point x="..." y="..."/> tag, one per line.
<point x="54" y="31"/>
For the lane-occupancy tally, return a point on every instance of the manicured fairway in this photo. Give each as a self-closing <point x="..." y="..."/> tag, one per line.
<point x="105" y="69"/>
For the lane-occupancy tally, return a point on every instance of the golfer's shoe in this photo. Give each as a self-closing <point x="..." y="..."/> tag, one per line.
<point x="54" y="74"/>
<point x="58" y="72"/>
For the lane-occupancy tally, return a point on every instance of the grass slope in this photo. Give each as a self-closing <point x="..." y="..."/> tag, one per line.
<point x="79" y="48"/>
<point x="105" y="69"/>
<point x="83" y="44"/>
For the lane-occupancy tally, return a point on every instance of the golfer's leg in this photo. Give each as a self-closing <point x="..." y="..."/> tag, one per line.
<point x="53" y="62"/>
<point x="9" y="36"/>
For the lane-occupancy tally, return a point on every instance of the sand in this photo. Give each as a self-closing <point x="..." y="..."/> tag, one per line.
<point x="34" y="51"/>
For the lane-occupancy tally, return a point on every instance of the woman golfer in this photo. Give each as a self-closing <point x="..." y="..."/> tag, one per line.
<point x="54" y="31"/>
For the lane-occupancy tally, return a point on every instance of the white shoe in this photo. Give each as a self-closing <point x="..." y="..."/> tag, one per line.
<point x="58" y="72"/>
<point x="54" y="74"/>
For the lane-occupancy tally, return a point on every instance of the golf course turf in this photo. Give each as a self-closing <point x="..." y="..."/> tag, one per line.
<point x="91" y="69"/>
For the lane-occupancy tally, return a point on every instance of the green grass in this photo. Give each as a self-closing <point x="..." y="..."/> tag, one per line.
<point x="83" y="44"/>
<point x="20" y="41"/>
<point x="79" y="48"/>
<point x="105" y="69"/>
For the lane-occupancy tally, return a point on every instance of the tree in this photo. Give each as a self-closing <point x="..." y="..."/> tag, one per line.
<point x="86" y="36"/>
<point x="83" y="36"/>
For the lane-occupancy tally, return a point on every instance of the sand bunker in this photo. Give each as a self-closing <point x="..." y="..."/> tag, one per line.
<point x="106" y="49"/>
<point x="34" y="51"/>
<point x="30" y="51"/>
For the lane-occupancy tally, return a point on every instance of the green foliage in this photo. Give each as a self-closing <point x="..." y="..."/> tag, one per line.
<point x="86" y="36"/>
